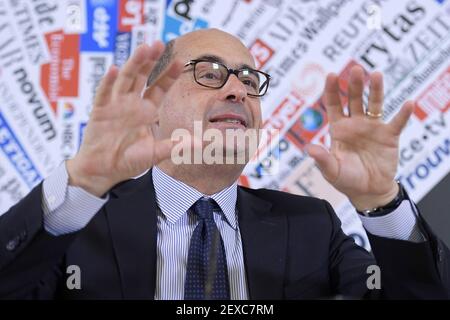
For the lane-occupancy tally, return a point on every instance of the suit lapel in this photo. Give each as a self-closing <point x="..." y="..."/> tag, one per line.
<point x="264" y="241"/>
<point x="131" y="215"/>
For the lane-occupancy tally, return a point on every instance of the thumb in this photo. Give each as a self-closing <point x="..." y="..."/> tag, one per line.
<point x="162" y="150"/>
<point x="182" y="148"/>
<point x="326" y="162"/>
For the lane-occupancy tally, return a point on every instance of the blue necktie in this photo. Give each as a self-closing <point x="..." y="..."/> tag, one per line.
<point x="206" y="273"/>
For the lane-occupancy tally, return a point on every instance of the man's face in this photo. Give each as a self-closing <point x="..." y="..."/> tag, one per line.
<point x="188" y="101"/>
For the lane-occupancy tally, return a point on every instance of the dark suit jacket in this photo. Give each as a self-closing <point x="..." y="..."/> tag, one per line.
<point x="293" y="247"/>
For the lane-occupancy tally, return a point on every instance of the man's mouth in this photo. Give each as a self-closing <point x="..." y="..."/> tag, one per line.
<point x="229" y="120"/>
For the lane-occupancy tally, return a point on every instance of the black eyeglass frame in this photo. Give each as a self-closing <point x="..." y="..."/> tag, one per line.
<point x="229" y="72"/>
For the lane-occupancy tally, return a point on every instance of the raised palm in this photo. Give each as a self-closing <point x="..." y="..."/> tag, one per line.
<point x="118" y="142"/>
<point x="363" y="156"/>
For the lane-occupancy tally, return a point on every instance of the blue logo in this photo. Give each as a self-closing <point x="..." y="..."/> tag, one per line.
<point x="272" y="158"/>
<point x="16" y="154"/>
<point x="174" y="28"/>
<point x="68" y="110"/>
<point x="311" y="119"/>
<point x="81" y="131"/>
<point x="101" y="26"/>
<point x="427" y="166"/>
<point x="122" y="48"/>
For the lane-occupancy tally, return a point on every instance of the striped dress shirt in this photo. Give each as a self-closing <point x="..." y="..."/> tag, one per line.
<point x="175" y="225"/>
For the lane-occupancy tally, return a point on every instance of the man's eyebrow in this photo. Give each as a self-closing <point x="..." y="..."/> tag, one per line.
<point x="214" y="58"/>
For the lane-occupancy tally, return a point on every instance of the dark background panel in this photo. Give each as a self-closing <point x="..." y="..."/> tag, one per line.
<point x="435" y="207"/>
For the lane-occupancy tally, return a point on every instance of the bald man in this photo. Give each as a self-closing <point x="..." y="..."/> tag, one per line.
<point x="185" y="230"/>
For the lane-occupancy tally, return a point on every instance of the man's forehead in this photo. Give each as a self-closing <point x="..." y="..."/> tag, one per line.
<point x="215" y="44"/>
<point x="238" y="64"/>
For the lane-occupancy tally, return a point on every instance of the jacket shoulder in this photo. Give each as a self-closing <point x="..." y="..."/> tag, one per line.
<point x="133" y="185"/>
<point x="289" y="202"/>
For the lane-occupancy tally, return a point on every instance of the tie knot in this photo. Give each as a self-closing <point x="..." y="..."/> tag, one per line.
<point x="203" y="207"/>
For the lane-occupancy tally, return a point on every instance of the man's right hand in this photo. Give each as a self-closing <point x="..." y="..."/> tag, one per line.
<point x="118" y="143"/>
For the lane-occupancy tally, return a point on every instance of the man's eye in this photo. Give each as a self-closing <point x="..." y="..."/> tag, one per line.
<point x="210" y="76"/>
<point x="250" y="83"/>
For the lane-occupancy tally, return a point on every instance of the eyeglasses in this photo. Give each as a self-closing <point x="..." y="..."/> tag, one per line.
<point x="215" y="74"/>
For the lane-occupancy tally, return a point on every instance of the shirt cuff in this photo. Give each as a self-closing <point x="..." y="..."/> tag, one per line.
<point x="400" y="224"/>
<point x="67" y="208"/>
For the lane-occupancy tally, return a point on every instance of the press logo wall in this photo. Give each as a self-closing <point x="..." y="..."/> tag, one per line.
<point x="352" y="28"/>
<point x="420" y="75"/>
<point x="261" y="53"/>
<point x="45" y="155"/>
<point x="179" y="21"/>
<point x="35" y="103"/>
<point x="283" y="116"/>
<point x="59" y="78"/>
<point x="67" y="117"/>
<point x="12" y="187"/>
<point x="28" y="31"/>
<point x="436" y="97"/>
<point x="82" y="127"/>
<point x="11" y="51"/>
<point x="275" y="167"/>
<point x="312" y="127"/>
<point x="429" y="167"/>
<point x="261" y="15"/>
<point x="152" y="23"/>
<point x="425" y="158"/>
<point x="93" y="67"/>
<point x="131" y="14"/>
<point x="17" y="156"/>
<point x="101" y="26"/>
<point x="122" y="48"/>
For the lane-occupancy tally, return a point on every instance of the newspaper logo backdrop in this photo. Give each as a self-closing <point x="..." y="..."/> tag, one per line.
<point x="54" y="53"/>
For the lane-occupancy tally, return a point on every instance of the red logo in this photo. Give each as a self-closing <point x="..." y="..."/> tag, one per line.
<point x="280" y="119"/>
<point x="59" y="77"/>
<point x="131" y="14"/>
<point x="312" y="121"/>
<point x="435" y="98"/>
<point x="261" y="52"/>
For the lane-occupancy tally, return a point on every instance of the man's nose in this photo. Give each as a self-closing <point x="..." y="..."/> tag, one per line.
<point x="234" y="90"/>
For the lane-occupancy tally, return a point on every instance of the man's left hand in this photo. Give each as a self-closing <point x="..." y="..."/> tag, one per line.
<point x="363" y="157"/>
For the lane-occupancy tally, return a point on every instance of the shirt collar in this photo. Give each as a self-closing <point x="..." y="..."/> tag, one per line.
<point x="174" y="197"/>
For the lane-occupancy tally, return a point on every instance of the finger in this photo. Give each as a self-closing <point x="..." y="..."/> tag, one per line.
<point x="332" y="99"/>
<point x="355" y="91"/>
<point x="376" y="94"/>
<point x="162" y="150"/>
<point x="129" y="72"/>
<point x="104" y="89"/>
<point x="145" y="70"/>
<point x="147" y="151"/>
<point x="326" y="162"/>
<point x="398" y="123"/>
<point x="142" y="77"/>
<point x="147" y="114"/>
<point x="179" y="148"/>
<point x="159" y="88"/>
